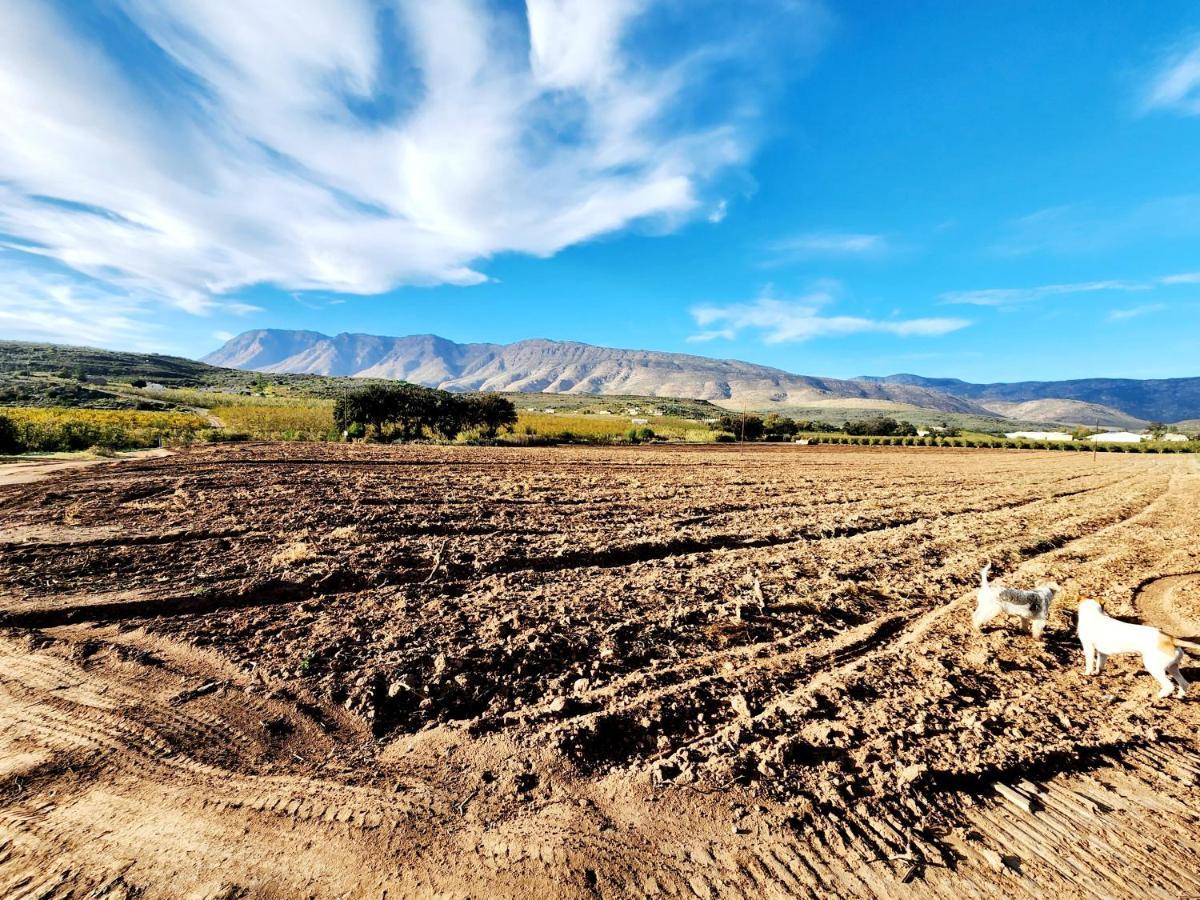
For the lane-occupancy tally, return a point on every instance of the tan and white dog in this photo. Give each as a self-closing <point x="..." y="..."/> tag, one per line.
<point x="994" y="599"/>
<point x="1103" y="636"/>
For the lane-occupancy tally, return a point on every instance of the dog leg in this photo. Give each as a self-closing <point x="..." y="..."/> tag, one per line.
<point x="1087" y="657"/>
<point x="981" y="617"/>
<point x="1181" y="683"/>
<point x="1037" y="626"/>
<point x="1168" y="687"/>
<point x="1100" y="660"/>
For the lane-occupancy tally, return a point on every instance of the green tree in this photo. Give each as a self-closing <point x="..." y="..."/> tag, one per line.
<point x="10" y="438"/>
<point x="490" y="413"/>
<point x="779" y="427"/>
<point x="405" y="412"/>
<point x="744" y="427"/>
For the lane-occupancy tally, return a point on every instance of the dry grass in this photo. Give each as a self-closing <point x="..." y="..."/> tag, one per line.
<point x="605" y="427"/>
<point x="291" y="422"/>
<point x="293" y="554"/>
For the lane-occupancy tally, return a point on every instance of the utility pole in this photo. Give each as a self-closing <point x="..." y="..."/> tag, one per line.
<point x="743" y="440"/>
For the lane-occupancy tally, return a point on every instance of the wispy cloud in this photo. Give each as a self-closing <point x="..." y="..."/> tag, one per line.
<point x="1120" y="315"/>
<point x="785" y="321"/>
<point x="1084" y="229"/>
<point x="358" y="146"/>
<point x="49" y="306"/>
<point x="1175" y="83"/>
<point x="825" y="245"/>
<point x="1014" y="296"/>
<point x="1018" y="296"/>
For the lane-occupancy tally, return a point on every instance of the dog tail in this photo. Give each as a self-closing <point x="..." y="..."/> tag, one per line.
<point x="983" y="574"/>
<point x="1180" y="642"/>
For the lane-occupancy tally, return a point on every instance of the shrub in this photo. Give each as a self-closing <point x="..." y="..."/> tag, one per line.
<point x="636" y="435"/>
<point x="52" y="430"/>
<point x="10" y="439"/>
<point x="879" y="425"/>
<point x="723" y="437"/>
<point x="313" y="422"/>
<point x="221" y="435"/>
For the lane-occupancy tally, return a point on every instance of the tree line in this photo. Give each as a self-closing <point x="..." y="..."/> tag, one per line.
<point x="774" y="427"/>
<point x="405" y="412"/>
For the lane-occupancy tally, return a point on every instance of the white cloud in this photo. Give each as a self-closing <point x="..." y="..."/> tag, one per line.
<point x="239" y="152"/>
<point x="1088" y="230"/>
<point x="1121" y="315"/>
<point x="1175" y="85"/>
<point x="725" y="334"/>
<point x="824" y="245"/>
<point x="1017" y="296"/>
<point x="1014" y="296"/>
<point x="224" y="335"/>
<point x="50" y="307"/>
<point x="718" y="213"/>
<point x="785" y="321"/>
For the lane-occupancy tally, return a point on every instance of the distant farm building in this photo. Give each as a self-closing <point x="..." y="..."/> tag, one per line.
<point x="640" y="421"/>
<point x="1118" y="437"/>
<point x="1038" y="436"/>
<point x="1171" y="436"/>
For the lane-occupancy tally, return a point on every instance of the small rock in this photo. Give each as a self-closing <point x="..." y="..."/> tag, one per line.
<point x="399" y="686"/>
<point x="740" y="705"/>
<point x="909" y="774"/>
<point x="558" y="704"/>
<point x="994" y="859"/>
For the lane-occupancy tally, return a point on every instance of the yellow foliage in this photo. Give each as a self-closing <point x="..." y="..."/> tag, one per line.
<point x="600" y="427"/>
<point x="293" y="422"/>
<point x="51" y="429"/>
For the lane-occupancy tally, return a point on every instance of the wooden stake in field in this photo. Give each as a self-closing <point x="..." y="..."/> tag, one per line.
<point x="743" y="440"/>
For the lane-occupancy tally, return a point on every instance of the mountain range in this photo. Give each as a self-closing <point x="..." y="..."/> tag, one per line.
<point x="575" y="368"/>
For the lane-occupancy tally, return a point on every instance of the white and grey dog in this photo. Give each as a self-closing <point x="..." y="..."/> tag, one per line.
<point x="994" y="599"/>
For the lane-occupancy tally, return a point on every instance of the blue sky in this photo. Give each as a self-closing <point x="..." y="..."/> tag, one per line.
<point x="994" y="191"/>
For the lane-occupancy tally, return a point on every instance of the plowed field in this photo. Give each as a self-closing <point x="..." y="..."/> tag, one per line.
<point x="292" y="670"/>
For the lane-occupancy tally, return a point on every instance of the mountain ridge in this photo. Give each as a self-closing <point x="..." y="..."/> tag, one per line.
<point x="1150" y="399"/>
<point x="544" y="365"/>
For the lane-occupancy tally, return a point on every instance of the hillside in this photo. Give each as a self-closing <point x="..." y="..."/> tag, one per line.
<point x="18" y="357"/>
<point x="1069" y="412"/>
<point x="563" y="367"/>
<point x="1158" y="399"/>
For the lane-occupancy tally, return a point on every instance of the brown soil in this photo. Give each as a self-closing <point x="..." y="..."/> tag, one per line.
<point x="280" y="670"/>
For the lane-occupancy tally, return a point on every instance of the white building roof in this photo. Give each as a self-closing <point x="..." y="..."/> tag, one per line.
<point x="1118" y="437"/>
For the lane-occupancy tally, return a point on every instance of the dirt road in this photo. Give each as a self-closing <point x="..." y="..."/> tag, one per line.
<point x="304" y="670"/>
